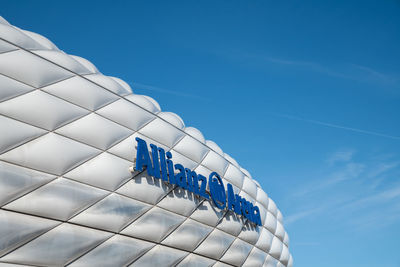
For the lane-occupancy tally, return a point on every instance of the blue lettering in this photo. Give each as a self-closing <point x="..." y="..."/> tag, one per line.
<point x="217" y="190"/>
<point x="180" y="177"/>
<point x="163" y="163"/>
<point x="156" y="162"/>
<point x="142" y="157"/>
<point x="160" y="165"/>
<point x="170" y="165"/>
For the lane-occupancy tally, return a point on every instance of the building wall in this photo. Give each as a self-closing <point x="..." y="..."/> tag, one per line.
<point x="67" y="195"/>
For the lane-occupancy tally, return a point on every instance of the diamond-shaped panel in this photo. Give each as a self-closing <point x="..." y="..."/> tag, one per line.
<point x="16" y="180"/>
<point x="14" y="133"/>
<point x="41" y="109"/>
<point x="17" y="229"/>
<point x="58" y="246"/>
<point x="154" y="225"/>
<point x="105" y="171"/>
<point x="111" y="213"/>
<point x="116" y="251"/>
<point x="50" y="153"/>
<point x="62" y="198"/>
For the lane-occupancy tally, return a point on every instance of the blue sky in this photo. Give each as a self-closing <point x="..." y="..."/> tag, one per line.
<point x="303" y="94"/>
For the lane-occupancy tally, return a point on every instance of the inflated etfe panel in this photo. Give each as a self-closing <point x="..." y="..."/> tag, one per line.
<point x="70" y="193"/>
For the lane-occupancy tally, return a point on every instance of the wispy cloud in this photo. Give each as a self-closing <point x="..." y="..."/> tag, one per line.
<point x="350" y="170"/>
<point x="291" y="218"/>
<point x="374" y="74"/>
<point x="344" y="189"/>
<point x="326" y="124"/>
<point x="349" y="71"/>
<point x="312" y="66"/>
<point x="341" y="156"/>
<point x="141" y="86"/>
<point x="383" y="167"/>
<point x="377" y="198"/>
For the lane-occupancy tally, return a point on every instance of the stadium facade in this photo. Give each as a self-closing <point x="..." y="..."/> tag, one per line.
<point x="92" y="174"/>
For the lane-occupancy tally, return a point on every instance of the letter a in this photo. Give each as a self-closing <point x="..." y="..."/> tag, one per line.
<point x="143" y="157"/>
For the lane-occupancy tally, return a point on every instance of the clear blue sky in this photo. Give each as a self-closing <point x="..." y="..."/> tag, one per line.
<point x="303" y="94"/>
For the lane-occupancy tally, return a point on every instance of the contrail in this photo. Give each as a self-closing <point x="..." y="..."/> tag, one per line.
<point x="337" y="126"/>
<point x="166" y="91"/>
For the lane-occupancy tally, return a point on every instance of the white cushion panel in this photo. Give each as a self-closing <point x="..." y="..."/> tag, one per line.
<point x="276" y="248"/>
<point x="250" y="187"/>
<point x="50" y="153"/>
<point x="234" y="175"/>
<point x="123" y="84"/>
<point x="221" y="264"/>
<point x="81" y="92"/>
<point x="17" y="229"/>
<point x="145" y="188"/>
<point x="144" y="102"/>
<point x="193" y="260"/>
<point x="108" y="83"/>
<point x="214" y="147"/>
<point x="237" y="253"/>
<point x="272" y="207"/>
<point x="17" y="37"/>
<point x="62" y="198"/>
<point x="160" y="256"/>
<point x="105" y="171"/>
<point x="95" y="130"/>
<point x="262" y="197"/>
<point x="285" y="255"/>
<point x="279" y="216"/>
<point x="188" y="235"/>
<point x="127" y="148"/>
<point x="207" y="214"/>
<point x="162" y="132"/>
<point x="215" y="244"/>
<point x="265" y="241"/>
<point x="180" y="201"/>
<point x="231" y="160"/>
<point x="62" y="60"/>
<point x="286" y="239"/>
<point x="215" y="162"/>
<point x="185" y="161"/>
<point x="290" y="263"/>
<point x="41" y="40"/>
<point x="6" y="47"/>
<point x="41" y="109"/>
<point x="263" y="212"/>
<point x="14" y="133"/>
<point x="111" y="213"/>
<point x="271" y="222"/>
<point x="173" y="119"/>
<point x="250" y="233"/>
<point x="116" y="251"/>
<point x="270" y="261"/>
<point x="280" y="231"/>
<point x="191" y="148"/>
<point x="16" y="181"/>
<point x="256" y="258"/>
<point x="88" y="65"/>
<point x="58" y="246"/>
<point x="154" y="225"/>
<point x="10" y="88"/>
<point x="127" y="114"/>
<point x="232" y="223"/>
<point x="31" y="69"/>
<point x="194" y="132"/>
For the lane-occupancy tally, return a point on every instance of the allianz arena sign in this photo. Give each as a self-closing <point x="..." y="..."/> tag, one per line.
<point x="161" y="166"/>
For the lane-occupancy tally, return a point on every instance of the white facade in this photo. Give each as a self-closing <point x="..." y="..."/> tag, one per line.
<point x="67" y="196"/>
